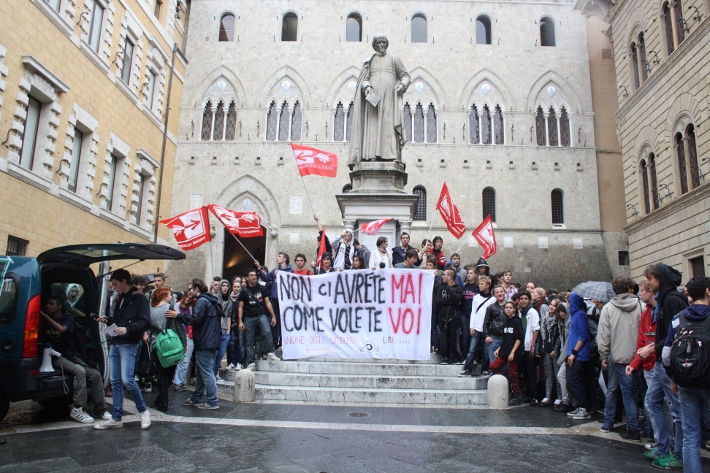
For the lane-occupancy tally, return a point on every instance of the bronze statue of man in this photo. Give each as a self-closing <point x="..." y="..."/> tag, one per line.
<point x="377" y="132"/>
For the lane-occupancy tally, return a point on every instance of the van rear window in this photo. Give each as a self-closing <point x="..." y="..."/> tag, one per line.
<point x="8" y="300"/>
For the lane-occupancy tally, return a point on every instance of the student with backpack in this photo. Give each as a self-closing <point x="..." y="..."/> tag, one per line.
<point x="686" y="354"/>
<point x="206" y="321"/>
<point x="167" y="343"/>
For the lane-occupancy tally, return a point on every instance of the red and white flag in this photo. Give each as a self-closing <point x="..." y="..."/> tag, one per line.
<point x="371" y="228"/>
<point x="450" y="213"/>
<point x="246" y="223"/>
<point x="321" y="249"/>
<point x="486" y="237"/>
<point x="190" y="229"/>
<point x="315" y="161"/>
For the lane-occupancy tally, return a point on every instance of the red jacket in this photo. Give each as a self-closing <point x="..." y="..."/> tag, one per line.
<point x="647" y="335"/>
<point x="440" y="257"/>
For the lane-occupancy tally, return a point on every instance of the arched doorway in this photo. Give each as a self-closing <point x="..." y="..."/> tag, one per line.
<point x="236" y="261"/>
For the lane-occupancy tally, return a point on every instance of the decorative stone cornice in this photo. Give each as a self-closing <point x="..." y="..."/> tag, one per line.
<point x="699" y="193"/>
<point x="40" y="69"/>
<point x="601" y="9"/>
<point x="665" y="69"/>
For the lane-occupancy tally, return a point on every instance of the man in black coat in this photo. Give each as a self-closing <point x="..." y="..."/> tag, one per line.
<point x="449" y="295"/>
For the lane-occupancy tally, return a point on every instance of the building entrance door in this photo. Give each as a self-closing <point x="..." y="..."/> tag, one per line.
<point x="236" y="261"/>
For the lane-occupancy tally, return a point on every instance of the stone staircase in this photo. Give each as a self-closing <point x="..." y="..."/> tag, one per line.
<point x="383" y="382"/>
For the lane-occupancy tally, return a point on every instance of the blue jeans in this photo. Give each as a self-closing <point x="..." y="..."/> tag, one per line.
<point x="122" y="359"/>
<point x="628" y="393"/>
<point x="250" y="324"/>
<point x="476" y="340"/>
<point x="493" y="346"/>
<point x="223" y="342"/>
<point x="658" y="390"/>
<point x="235" y="347"/>
<point x="466" y="333"/>
<point x="181" y="369"/>
<point x="612" y="387"/>
<point x="205" y="382"/>
<point x="693" y="403"/>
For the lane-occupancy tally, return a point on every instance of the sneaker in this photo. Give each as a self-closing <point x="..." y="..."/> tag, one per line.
<point x="109" y="424"/>
<point x="582" y="414"/>
<point x="630" y="435"/>
<point x="218" y="378"/>
<point x="485" y="373"/>
<point x="465" y="373"/>
<point x="239" y="367"/>
<point x="106" y="416"/>
<point x="558" y="402"/>
<point x="573" y="412"/>
<point x="145" y="419"/>
<point x="252" y="367"/>
<point x="651" y="455"/>
<point x="212" y="407"/>
<point x="79" y="415"/>
<point x="648" y="446"/>
<point x="444" y="361"/>
<point x="230" y="366"/>
<point x="669" y="462"/>
<point x="514" y="400"/>
<point x="148" y="388"/>
<point x="607" y="427"/>
<point x="190" y="402"/>
<point x="534" y="402"/>
<point x="179" y="388"/>
<point x="272" y="357"/>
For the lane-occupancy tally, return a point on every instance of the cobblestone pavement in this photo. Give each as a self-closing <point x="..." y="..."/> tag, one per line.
<point x="307" y="438"/>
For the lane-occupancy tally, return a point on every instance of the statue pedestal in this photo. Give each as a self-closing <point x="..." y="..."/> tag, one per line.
<point x="377" y="193"/>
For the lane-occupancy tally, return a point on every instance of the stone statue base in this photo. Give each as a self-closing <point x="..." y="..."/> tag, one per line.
<point x="378" y="193"/>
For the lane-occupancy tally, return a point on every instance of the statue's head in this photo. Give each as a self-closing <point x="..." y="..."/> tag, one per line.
<point x="378" y="38"/>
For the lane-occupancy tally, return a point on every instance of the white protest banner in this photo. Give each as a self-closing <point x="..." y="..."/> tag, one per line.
<point x="357" y="314"/>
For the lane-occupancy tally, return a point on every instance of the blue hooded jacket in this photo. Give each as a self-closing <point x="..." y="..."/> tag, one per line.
<point x="579" y="327"/>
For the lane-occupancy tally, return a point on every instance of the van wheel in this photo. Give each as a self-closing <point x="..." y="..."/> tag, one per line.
<point x="59" y="402"/>
<point x="4" y="405"/>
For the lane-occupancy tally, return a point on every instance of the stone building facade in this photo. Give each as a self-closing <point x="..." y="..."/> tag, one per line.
<point x="500" y="107"/>
<point x="83" y="94"/>
<point x="661" y="51"/>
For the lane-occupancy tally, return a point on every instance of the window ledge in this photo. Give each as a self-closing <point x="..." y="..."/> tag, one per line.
<point x="127" y="91"/>
<point x="29" y="177"/>
<point x="140" y="231"/>
<point x="94" y="57"/>
<point x="151" y="116"/>
<point x="113" y="218"/>
<point x="74" y="199"/>
<point x="55" y="17"/>
<point x="559" y="226"/>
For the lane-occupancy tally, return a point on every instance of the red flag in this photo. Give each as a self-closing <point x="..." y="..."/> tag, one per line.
<point x="315" y="161"/>
<point x="246" y="224"/>
<point x="450" y="213"/>
<point x="190" y="229"/>
<point x="321" y="249"/>
<point x="486" y="237"/>
<point x="371" y="228"/>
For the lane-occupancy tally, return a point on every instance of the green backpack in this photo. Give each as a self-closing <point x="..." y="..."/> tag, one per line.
<point x="169" y="348"/>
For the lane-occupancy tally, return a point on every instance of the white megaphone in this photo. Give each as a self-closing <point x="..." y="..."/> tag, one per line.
<point x="47" y="359"/>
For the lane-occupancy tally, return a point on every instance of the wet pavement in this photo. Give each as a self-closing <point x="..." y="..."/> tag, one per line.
<point x="307" y="438"/>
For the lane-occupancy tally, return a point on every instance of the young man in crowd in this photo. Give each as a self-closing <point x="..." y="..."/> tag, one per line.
<point x="531" y="322"/>
<point x="214" y="288"/>
<point x="507" y="353"/>
<point x="470" y="289"/>
<point x="460" y="272"/>
<point x="363" y="252"/>
<point x="60" y="330"/>
<point x="326" y="265"/>
<point x="506" y="283"/>
<point x="616" y="339"/>
<point x="301" y="268"/>
<point x="479" y="304"/>
<point x="343" y="250"/>
<point x="270" y="278"/>
<point x="410" y="260"/>
<point x="254" y="305"/>
<point x="448" y="323"/>
<point x="493" y="323"/>
<point x="436" y="251"/>
<point x="578" y="357"/>
<point x="664" y="281"/>
<point x="400" y="253"/>
<point x="694" y="389"/>
<point x="132" y="318"/>
<point x="206" y="321"/>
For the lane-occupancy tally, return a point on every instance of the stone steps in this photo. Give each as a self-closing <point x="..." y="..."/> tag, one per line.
<point x="386" y="382"/>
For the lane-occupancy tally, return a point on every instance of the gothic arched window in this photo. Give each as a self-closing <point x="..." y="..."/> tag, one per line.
<point x="486" y="128"/>
<point x="231" y="127"/>
<point x="642" y="57"/>
<point x="643" y="169"/>
<point x="540" y="132"/>
<point x="271" y="122"/>
<point x="218" y="132"/>
<point x="296" y="120"/>
<point x="207" y="116"/>
<point x="349" y="122"/>
<point x="692" y="156"/>
<point x="407" y="123"/>
<point x="498" y="127"/>
<point x="667" y="27"/>
<point x="682" y="168"/>
<point x="654" y="180"/>
<point x="419" y="124"/>
<point x="488" y="198"/>
<point x="473" y="130"/>
<point x="431" y="124"/>
<point x="552" y="127"/>
<point x="420" y="213"/>
<point x="283" y="122"/>
<point x="226" y="27"/>
<point x="338" y="123"/>
<point x="565" y="135"/>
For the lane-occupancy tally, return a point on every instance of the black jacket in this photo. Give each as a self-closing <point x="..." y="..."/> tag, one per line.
<point x="670" y="303"/>
<point x="449" y="300"/>
<point x="494" y="320"/>
<point x="132" y="312"/>
<point x="206" y="321"/>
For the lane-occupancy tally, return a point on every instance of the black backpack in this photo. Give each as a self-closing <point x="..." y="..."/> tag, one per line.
<point x="690" y="353"/>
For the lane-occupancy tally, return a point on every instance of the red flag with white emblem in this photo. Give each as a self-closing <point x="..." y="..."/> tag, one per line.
<point x="321" y="249"/>
<point x="190" y="229"/>
<point x="450" y="213"/>
<point x="315" y="161"/>
<point x="371" y="228"/>
<point x="245" y="223"/>
<point x="486" y="237"/>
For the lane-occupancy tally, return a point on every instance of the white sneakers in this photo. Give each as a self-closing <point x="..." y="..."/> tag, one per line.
<point x="145" y="419"/>
<point x="78" y="414"/>
<point x="106" y="416"/>
<point x="230" y="366"/>
<point x="239" y="367"/>
<point x="272" y="357"/>
<point x="109" y="424"/>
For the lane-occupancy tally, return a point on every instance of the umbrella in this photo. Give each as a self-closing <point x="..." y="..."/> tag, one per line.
<point x="597" y="290"/>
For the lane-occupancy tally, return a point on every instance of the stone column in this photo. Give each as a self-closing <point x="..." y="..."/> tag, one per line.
<point x="349" y="225"/>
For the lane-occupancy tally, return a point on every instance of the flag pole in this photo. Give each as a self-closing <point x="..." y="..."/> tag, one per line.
<point x="307" y="194"/>
<point x="462" y="245"/>
<point x="245" y="249"/>
<point x="211" y="260"/>
<point x="432" y="223"/>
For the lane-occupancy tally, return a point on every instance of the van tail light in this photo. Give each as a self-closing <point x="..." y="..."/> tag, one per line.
<point x="31" y="333"/>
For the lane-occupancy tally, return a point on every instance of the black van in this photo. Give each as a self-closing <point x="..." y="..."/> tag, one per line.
<point x="25" y="282"/>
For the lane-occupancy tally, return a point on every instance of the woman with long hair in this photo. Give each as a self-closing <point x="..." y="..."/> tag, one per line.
<point x="184" y="308"/>
<point x="160" y="303"/>
<point x="381" y="255"/>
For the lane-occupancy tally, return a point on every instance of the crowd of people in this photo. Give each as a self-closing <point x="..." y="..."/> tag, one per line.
<point x="578" y="355"/>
